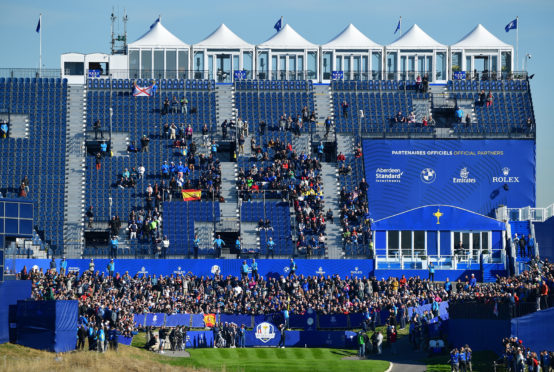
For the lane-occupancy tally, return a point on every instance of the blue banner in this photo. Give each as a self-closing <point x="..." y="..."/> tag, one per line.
<point x="460" y="75"/>
<point x="344" y="268"/>
<point x="239" y="74"/>
<point x="337" y="75"/>
<point x="93" y="73"/>
<point x="478" y="175"/>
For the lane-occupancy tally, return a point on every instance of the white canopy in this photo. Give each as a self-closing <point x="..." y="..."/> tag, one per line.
<point x="287" y="38"/>
<point x="481" y="38"/>
<point x="351" y="38"/>
<point x="158" y="37"/>
<point x="223" y="37"/>
<point x="415" y="38"/>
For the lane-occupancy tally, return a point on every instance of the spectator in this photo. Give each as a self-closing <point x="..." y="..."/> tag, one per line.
<point x="344" y="106"/>
<point x="4" y="129"/>
<point x="97" y="126"/>
<point x="459" y="114"/>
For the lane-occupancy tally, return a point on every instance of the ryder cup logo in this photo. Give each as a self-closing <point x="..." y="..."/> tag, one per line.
<point x="215" y="270"/>
<point x="428" y="175"/>
<point x="265" y="332"/>
<point x="143" y="271"/>
<point x="320" y="271"/>
<point x="178" y="271"/>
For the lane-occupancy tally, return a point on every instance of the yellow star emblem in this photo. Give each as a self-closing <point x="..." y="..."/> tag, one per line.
<point x="438" y="214"/>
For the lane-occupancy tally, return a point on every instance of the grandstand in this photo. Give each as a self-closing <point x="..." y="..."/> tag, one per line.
<point x="130" y="157"/>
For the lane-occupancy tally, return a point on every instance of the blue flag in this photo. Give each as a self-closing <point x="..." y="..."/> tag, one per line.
<point x="38" y="25"/>
<point x="278" y="25"/>
<point x="154" y="24"/>
<point x="398" y="26"/>
<point x="511" y="26"/>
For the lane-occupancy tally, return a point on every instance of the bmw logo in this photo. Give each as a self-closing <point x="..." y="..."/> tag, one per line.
<point x="428" y="175"/>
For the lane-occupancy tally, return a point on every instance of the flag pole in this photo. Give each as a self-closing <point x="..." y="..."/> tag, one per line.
<point x="517" y="43"/>
<point x="40" y="45"/>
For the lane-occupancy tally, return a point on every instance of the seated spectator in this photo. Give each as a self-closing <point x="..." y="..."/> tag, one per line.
<point x="412" y="118"/>
<point x="490" y="99"/>
<point x="4" y="130"/>
<point x="399" y="118"/>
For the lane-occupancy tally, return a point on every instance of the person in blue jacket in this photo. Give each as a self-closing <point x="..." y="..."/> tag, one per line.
<point x="455" y="360"/>
<point x="254" y="269"/>
<point x="244" y="270"/>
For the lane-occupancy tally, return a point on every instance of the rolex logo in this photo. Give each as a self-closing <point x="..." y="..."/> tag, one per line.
<point x="505" y="171"/>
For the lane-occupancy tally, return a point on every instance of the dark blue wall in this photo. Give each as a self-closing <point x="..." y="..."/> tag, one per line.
<point x="536" y="330"/>
<point x="544" y="232"/>
<point x="11" y="292"/>
<point x="479" y="334"/>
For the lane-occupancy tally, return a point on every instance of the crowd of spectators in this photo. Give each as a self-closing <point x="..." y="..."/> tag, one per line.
<point x="279" y="168"/>
<point x="517" y="357"/>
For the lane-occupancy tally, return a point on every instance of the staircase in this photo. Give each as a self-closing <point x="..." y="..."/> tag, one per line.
<point x="74" y="172"/>
<point x="229" y="213"/>
<point x="323" y="109"/>
<point x="421" y="108"/>
<point x="330" y="197"/>
<point x="302" y="144"/>
<point x="225" y="101"/>
<point x="345" y="144"/>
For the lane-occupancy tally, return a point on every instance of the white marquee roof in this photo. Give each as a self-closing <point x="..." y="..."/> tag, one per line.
<point x="158" y="37"/>
<point x="415" y="38"/>
<point x="223" y="37"/>
<point x="480" y="38"/>
<point x="351" y="38"/>
<point x="287" y="38"/>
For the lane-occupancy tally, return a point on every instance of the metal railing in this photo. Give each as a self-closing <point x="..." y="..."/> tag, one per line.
<point x="30" y="73"/>
<point x="488" y="75"/>
<point x="525" y="214"/>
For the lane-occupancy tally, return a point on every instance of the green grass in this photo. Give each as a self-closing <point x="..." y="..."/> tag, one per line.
<point x="481" y="362"/>
<point x="272" y="359"/>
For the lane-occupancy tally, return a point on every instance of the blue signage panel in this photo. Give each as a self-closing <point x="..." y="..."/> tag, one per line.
<point x="337" y="75"/>
<point x="93" y="73"/>
<point x="459" y="75"/>
<point x="239" y="74"/>
<point x="478" y="175"/>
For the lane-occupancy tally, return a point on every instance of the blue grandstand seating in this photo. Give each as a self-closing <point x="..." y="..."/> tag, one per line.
<point x="279" y="215"/>
<point x="44" y="101"/>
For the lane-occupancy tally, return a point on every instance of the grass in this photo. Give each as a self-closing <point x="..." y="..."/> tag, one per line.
<point x="481" y="362"/>
<point x="19" y="358"/>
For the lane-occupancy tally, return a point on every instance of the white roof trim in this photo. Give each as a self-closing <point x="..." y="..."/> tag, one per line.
<point x="351" y="38"/>
<point x="415" y="38"/>
<point x="287" y="38"/>
<point x="158" y="37"/>
<point x="481" y="38"/>
<point x="223" y="38"/>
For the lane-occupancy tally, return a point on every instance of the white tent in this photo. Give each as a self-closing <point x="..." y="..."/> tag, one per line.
<point x="415" y="38"/>
<point x="479" y="38"/>
<point x="354" y="54"/>
<point x="351" y="38"/>
<point x="222" y="53"/>
<point x="157" y="37"/>
<point x="287" y="38"/>
<point x="158" y="54"/>
<point x="414" y="54"/>
<point x="223" y="38"/>
<point x="481" y="54"/>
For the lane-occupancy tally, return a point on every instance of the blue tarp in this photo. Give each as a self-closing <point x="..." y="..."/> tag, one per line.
<point x="536" y="330"/>
<point x="155" y="320"/>
<point x="47" y="325"/>
<point x="11" y="292"/>
<point x="178" y="320"/>
<point x="480" y="334"/>
<point x="333" y="321"/>
<point x="197" y="320"/>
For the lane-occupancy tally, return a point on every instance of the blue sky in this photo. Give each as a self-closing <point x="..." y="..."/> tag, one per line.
<point x="78" y="26"/>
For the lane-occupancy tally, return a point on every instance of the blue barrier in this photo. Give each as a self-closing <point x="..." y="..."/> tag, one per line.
<point x="333" y="321"/>
<point x="175" y="320"/>
<point x="200" y="339"/>
<point x="206" y="267"/>
<point x="197" y="320"/>
<point x="535" y="330"/>
<point x="481" y="334"/>
<point x="139" y="320"/>
<point x="238" y="319"/>
<point x="124" y="340"/>
<point x="155" y="320"/>
<point x="11" y="292"/>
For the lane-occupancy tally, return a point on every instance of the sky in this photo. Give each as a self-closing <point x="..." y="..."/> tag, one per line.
<point x="84" y="27"/>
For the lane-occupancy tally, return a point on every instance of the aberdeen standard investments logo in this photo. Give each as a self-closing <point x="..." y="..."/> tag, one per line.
<point x="505" y="178"/>
<point x="428" y="175"/>
<point x="464" y="177"/>
<point x="388" y="175"/>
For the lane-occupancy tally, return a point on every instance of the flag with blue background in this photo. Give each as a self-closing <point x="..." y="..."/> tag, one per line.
<point x="279" y="24"/>
<point x="511" y="26"/>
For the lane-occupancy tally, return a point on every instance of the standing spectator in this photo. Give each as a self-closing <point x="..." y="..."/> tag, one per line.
<point x="393" y="339"/>
<point x="530" y="246"/>
<point x="328" y="124"/>
<point x="218" y="244"/>
<point x="292" y="268"/>
<point x="184" y="105"/>
<point x="522" y="245"/>
<point x="344" y="106"/>
<point x="165" y="246"/>
<point x="459" y="114"/>
<point x="361" y="344"/>
<point x="196" y="246"/>
<point x="379" y="343"/>
<point x="144" y="142"/>
<point x="63" y="266"/>
<point x="242" y="336"/>
<point x="90" y="217"/>
<point x="455" y="360"/>
<point x="244" y="270"/>
<point x="270" y="248"/>
<point x="98" y="129"/>
<point x="431" y="272"/>
<point x="113" y="246"/>
<point x="111" y="268"/>
<point x="81" y="336"/>
<point x="254" y="269"/>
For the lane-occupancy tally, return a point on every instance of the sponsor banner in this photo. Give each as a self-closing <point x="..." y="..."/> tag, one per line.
<point x="209" y="267"/>
<point x="478" y="175"/>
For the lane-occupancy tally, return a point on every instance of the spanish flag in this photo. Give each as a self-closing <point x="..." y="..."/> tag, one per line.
<point x="209" y="320"/>
<point x="189" y="195"/>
